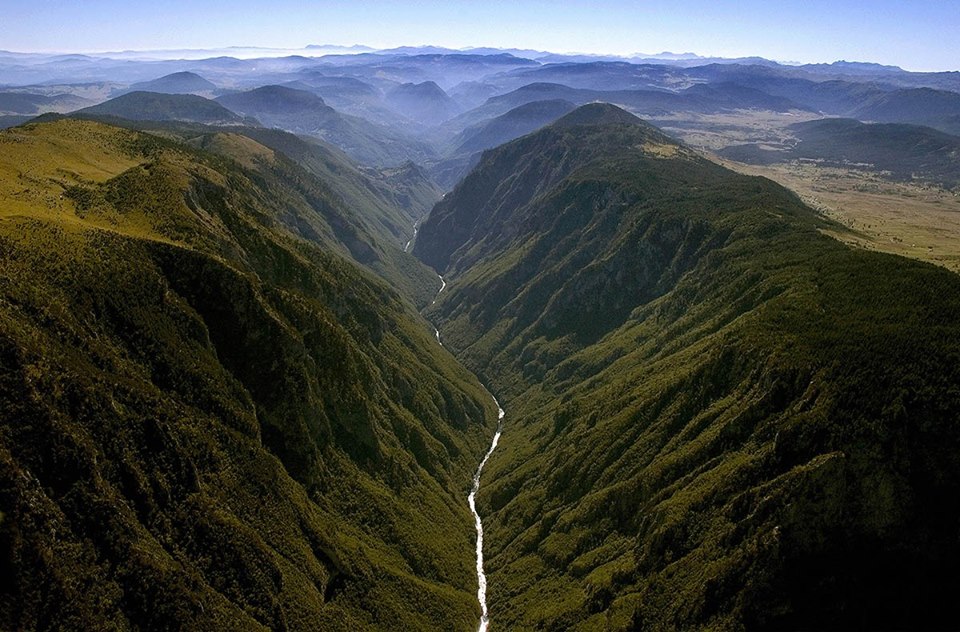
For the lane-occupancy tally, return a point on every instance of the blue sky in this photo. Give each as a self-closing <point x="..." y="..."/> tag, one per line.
<point x="915" y="34"/>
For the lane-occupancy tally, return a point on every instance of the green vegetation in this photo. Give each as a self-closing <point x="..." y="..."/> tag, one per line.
<point x="719" y="417"/>
<point x="210" y="418"/>
<point x="366" y="214"/>
<point x="466" y="147"/>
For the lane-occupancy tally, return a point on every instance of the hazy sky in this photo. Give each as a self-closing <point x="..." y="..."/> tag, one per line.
<point x="914" y="34"/>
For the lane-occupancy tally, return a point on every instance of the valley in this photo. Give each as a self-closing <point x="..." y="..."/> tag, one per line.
<point x="254" y="312"/>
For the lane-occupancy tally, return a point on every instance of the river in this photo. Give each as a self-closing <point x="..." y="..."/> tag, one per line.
<point x="472" y="499"/>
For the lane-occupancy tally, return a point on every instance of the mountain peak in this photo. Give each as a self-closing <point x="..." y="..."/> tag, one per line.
<point x="598" y="114"/>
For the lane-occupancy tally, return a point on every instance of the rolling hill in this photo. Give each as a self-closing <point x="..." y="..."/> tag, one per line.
<point x="26" y="103"/>
<point x="719" y="417"/>
<point x="155" y="106"/>
<point x="923" y="106"/>
<point x="184" y="82"/>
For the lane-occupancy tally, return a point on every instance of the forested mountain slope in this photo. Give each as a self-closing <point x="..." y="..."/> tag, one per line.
<point x="211" y="417"/>
<point x="718" y="416"/>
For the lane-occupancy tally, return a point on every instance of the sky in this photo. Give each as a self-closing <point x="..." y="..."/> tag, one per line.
<point x="913" y="34"/>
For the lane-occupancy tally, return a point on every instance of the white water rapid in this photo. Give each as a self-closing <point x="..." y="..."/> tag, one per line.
<point x="442" y="286"/>
<point x="472" y="501"/>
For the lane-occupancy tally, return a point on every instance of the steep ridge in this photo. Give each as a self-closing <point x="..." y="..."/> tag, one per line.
<point x="387" y="200"/>
<point x="467" y="146"/>
<point x="519" y="121"/>
<point x="210" y="417"/>
<point x="719" y="417"/>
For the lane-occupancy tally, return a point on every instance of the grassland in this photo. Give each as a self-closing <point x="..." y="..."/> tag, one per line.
<point x="916" y="220"/>
<point x="912" y="220"/>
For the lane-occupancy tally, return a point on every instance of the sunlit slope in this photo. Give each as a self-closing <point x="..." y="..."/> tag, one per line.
<point x="718" y="416"/>
<point x="210" y="418"/>
<point x="366" y="214"/>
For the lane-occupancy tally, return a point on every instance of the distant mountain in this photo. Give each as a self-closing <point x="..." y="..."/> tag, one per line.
<point x="720" y="417"/>
<point x="154" y="106"/>
<point x="906" y="152"/>
<point x="177" y="83"/>
<point x="12" y="120"/>
<point x="517" y="122"/>
<point x="26" y="103"/>
<point x="710" y="98"/>
<point x="727" y="95"/>
<point x="275" y="102"/>
<point x="465" y="148"/>
<point x="346" y="88"/>
<point x="355" y="97"/>
<point x="446" y="70"/>
<point x="303" y="112"/>
<point x="596" y="75"/>
<point x="356" y="48"/>
<point x="501" y="104"/>
<point x="926" y="106"/>
<point x="878" y="99"/>
<point x="424" y="102"/>
<point x="853" y="67"/>
<point x="471" y="94"/>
